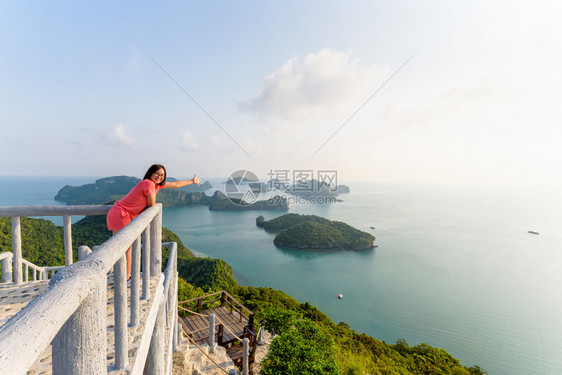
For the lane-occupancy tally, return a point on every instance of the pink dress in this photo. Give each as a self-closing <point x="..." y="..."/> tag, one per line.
<point x="132" y="204"/>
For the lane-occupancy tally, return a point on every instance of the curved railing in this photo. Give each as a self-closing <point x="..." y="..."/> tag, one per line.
<point x="39" y="273"/>
<point x="71" y="314"/>
<point x="15" y="212"/>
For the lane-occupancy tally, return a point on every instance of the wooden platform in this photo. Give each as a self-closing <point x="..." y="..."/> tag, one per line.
<point x="233" y="323"/>
<point x="227" y="322"/>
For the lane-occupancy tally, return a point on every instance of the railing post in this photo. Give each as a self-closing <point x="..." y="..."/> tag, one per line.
<point x="81" y="344"/>
<point x="26" y="273"/>
<point x="83" y="252"/>
<point x="7" y="269"/>
<point x="155" y="362"/>
<point x="16" y="245"/>
<point x="135" y="276"/>
<point x="221" y="333"/>
<point x="146" y="264"/>
<point x="212" y="343"/>
<point x="176" y="325"/>
<point x="251" y="321"/>
<point x="120" y="310"/>
<point x="246" y="353"/>
<point x="156" y="244"/>
<point x="67" y="240"/>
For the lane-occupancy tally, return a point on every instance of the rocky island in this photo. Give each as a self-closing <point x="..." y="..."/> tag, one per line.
<point x="110" y="189"/>
<point x="315" y="232"/>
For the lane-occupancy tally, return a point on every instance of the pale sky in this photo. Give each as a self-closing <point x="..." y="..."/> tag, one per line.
<point x="479" y="101"/>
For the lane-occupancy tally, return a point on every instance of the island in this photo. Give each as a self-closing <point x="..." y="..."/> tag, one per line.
<point x="315" y="232"/>
<point x="342" y="189"/>
<point x="313" y="190"/>
<point x="276" y="203"/>
<point x="110" y="189"/>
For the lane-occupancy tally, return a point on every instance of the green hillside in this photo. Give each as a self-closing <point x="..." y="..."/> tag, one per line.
<point x="307" y="342"/>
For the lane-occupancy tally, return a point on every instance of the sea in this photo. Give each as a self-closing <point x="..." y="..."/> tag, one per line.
<point x="454" y="266"/>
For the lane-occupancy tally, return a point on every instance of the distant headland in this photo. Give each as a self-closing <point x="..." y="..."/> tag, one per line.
<point x="110" y="189"/>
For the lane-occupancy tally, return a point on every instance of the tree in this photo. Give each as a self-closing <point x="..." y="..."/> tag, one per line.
<point x="303" y="349"/>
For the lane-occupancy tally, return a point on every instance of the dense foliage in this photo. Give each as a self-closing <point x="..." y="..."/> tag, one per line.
<point x="301" y="348"/>
<point x="42" y="242"/>
<point x="208" y="274"/>
<point x="308" y="342"/>
<point x="311" y="235"/>
<point x="98" y="192"/>
<point x="288" y="220"/>
<point x="315" y="232"/>
<point x="354" y="353"/>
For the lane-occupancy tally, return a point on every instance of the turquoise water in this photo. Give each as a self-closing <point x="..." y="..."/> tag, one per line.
<point x="454" y="268"/>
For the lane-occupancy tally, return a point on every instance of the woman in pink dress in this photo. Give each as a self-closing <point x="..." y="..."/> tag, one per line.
<point x="139" y="198"/>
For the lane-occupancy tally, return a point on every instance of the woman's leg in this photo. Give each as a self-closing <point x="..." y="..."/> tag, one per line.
<point x="129" y="255"/>
<point x="129" y="261"/>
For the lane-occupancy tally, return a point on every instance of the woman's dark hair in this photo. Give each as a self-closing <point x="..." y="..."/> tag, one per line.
<point x="153" y="168"/>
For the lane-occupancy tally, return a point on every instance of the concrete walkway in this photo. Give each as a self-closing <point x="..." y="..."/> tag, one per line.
<point x="14" y="298"/>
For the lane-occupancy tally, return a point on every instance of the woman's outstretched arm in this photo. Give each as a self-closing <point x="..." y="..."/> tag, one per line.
<point x="178" y="184"/>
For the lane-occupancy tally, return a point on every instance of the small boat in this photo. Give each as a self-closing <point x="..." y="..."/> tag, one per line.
<point x="340" y="296"/>
<point x="532" y="232"/>
<point x="372" y="227"/>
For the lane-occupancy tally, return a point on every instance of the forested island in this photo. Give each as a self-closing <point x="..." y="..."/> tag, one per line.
<point x="315" y="232"/>
<point x="110" y="189"/>
<point x="322" y="346"/>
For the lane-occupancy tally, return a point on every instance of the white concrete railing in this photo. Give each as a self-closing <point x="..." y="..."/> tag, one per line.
<point x="39" y="273"/>
<point x="15" y="212"/>
<point x="71" y="314"/>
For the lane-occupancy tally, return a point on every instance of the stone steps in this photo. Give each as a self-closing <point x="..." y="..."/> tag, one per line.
<point x="192" y="361"/>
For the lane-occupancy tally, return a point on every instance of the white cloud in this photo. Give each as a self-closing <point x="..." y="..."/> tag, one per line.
<point x="325" y="83"/>
<point x="187" y="141"/>
<point x="456" y="106"/>
<point x="119" y="136"/>
<point x="474" y="133"/>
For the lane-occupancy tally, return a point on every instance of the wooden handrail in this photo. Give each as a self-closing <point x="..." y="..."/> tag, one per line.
<point x="238" y="302"/>
<point x="196" y="298"/>
<point x="227" y="298"/>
